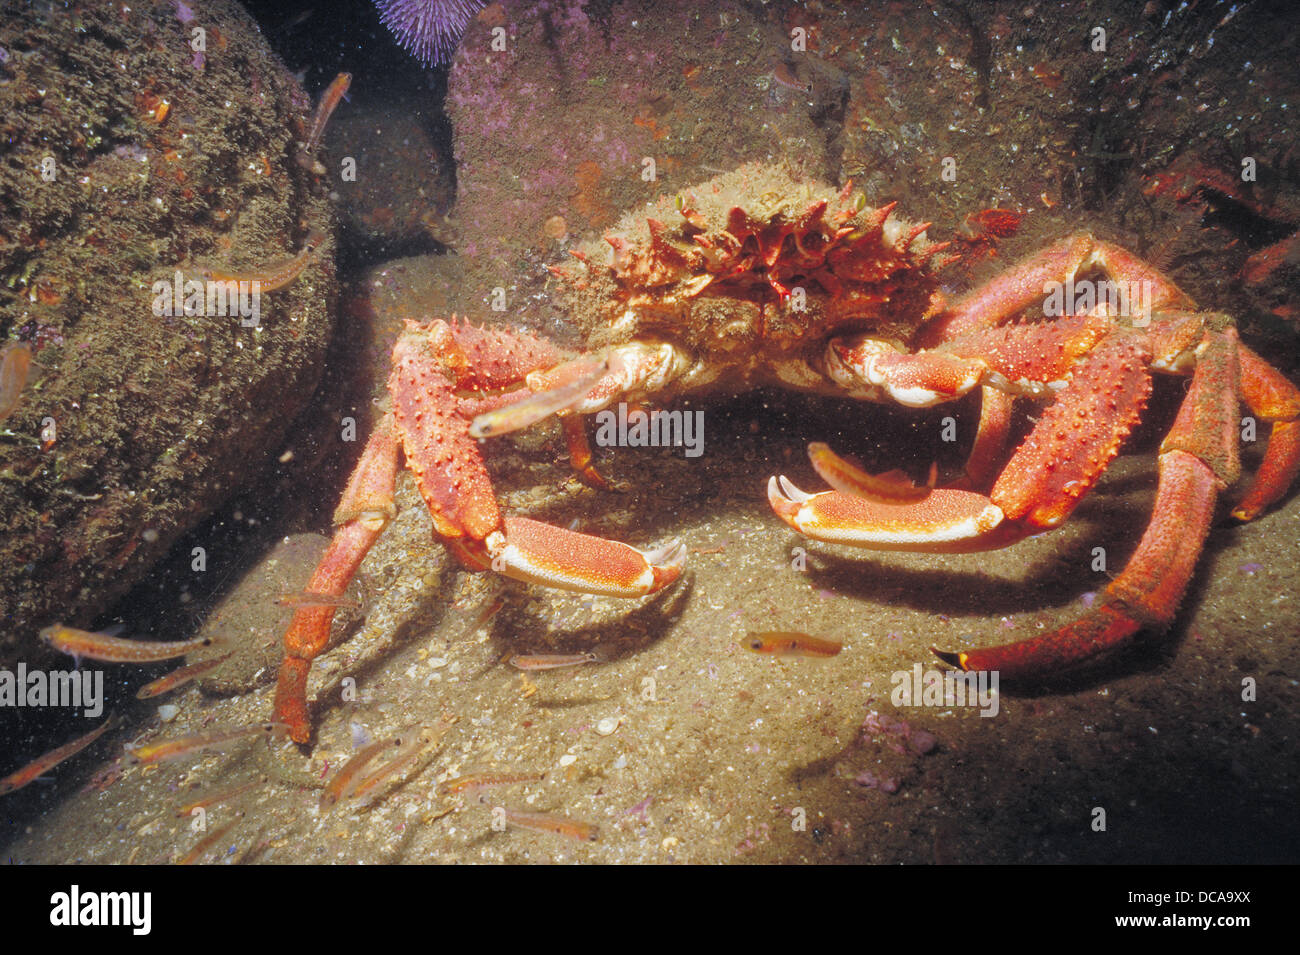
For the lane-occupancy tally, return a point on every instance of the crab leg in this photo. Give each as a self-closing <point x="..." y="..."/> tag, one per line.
<point x="1270" y="396"/>
<point x="451" y="477"/>
<point x="364" y="512"/>
<point x="990" y="438"/>
<point x="1025" y="284"/>
<point x="1198" y="460"/>
<point x="429" y="363"/>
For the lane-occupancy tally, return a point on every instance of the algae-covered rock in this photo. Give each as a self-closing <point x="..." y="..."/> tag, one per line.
<point x="136" y="142"/>
<point x="567" y="113"/>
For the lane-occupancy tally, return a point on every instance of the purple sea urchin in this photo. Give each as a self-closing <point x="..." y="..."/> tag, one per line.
<point x="428" y="29"/>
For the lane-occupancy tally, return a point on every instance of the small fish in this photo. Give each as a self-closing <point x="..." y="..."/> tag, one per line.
<point x="408" y="748"/>
<point x="542" y="404"/>
<point x="550" y="661"/>
<point x="306" y="598"/>
<point x="15" y="362"/>
<point x="369" y="786"/>
<point x="178" y="678"/>
<point x="206" y="843"/>
<point x="494" y="606"/>
<point x="349" y="776"/>
<point x="42" y="765"/>
<point x="203" y="802"/>
<point x="100" y="646"/>
<point x="476" y="781"/>
<point x="785" y="74"/>
<point x="556" y="825"/>
<point x="182" y="746"/>
<point x="790" y="643"/>
<point x="328" y="101"/>
<point x="274" y="276"/>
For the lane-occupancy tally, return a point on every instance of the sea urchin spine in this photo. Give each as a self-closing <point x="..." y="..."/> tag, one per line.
<point x="428" y="29"/>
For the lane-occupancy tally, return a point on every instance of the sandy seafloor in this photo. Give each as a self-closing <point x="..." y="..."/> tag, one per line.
<point x="731" y="751"/>
<point x="716" y="767"/>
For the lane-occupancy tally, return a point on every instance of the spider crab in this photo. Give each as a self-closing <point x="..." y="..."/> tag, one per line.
<point x="765" y="279"/>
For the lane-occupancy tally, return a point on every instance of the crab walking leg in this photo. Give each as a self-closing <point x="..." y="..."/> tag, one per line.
<point x="1027" y="282"/>
<point x="364" y="511"/>
<point x="1198" y="460"/>
<point x="1272" y="397"/>
<point x="580" y="457"/>
<point x="1154" y="581"/>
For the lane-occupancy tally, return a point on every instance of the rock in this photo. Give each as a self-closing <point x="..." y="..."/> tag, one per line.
<point x="565" y="121"/>
<point x="128" y="155"/>
<point x="404" y="182"/>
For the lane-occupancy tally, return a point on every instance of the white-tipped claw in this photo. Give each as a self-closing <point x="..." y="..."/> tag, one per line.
<point x="793" y="493"/>
<point x="670" y="555"/>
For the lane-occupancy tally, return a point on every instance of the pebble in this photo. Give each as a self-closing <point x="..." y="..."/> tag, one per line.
<point x="168" y="712"/>
<point x="608" y="725"/>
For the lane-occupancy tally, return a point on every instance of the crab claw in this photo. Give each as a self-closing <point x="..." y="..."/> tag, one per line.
<point x="944" y="521"/>
<point x="844" y="475"/>
<point x="538" y="553"/>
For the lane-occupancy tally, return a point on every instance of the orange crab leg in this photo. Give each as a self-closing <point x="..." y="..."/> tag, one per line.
<point x="990" y="438"/>
<point x="1198" y="460"/>
<point x="1154" y="580"/>
<point x="1023" y="285"/>
<point x="368" y="500"/>
<point x="1272" y="397"/>
<point x="580" y="457"/>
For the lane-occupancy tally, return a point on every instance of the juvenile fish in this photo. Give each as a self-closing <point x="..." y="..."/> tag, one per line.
<point x="487" y="614"/>
<point x="15" y="362"/>
<point x="346" y="780"/>
<point x="783" y="643"/>
<point x="42" y="765"/>
<point x="550" y="661"/>
<point x="369" y="786"/>
<point x="178" y="678"/>
<point x="308" y="599"/>
<point x="476" y="781"/>
<point x="206" y="843"/>
<point x="182" y="746"/>
<point x="100" y="646"/>
<point x="273" y="276"/>
<point x="203" y="802"/>
<point x="328" y="101"/>
<point x="556" y="825"/>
